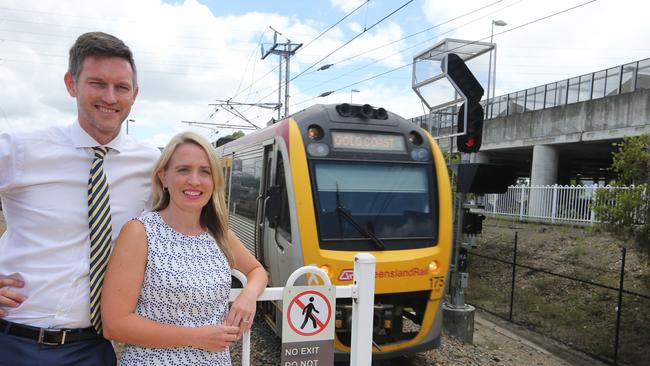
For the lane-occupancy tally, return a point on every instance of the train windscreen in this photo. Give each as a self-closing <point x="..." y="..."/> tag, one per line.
<point x="378" y="201"/>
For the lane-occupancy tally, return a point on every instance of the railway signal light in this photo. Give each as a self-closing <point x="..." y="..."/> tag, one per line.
<point x="470" y="141"/>
<point x="466" y="84"/>
<point x="463" y="78"/>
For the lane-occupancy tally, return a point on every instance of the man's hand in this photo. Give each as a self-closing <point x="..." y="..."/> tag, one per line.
<point x="10" y="298"/>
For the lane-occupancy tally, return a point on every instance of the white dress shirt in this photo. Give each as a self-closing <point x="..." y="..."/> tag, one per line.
<point x="44" y="192"/>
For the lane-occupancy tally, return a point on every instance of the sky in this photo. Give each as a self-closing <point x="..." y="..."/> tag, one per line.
<point x="191" y="53"/>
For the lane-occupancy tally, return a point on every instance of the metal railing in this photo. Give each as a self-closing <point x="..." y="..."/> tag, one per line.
<point x="604" y="83"/>
<point x="556" y="203"/>
<point x="362" y="290"/>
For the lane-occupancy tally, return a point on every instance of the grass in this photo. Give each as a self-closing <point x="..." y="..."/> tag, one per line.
<point x="578" y="314"/>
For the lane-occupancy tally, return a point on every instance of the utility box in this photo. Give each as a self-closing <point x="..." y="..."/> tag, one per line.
<point x="484" y="178"/>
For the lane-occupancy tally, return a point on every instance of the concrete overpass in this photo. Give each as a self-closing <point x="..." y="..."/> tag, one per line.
<point x="561" y="132"/>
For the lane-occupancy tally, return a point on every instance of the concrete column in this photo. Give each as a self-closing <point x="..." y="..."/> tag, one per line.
<point x="543" y="173"/>
<point x="545" y="162"/>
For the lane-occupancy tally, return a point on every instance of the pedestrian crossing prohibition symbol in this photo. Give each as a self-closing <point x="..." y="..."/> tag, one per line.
<point x="309" y="313"/>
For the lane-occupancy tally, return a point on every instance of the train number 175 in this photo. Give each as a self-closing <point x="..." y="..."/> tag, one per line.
<point x="437" y="282"/>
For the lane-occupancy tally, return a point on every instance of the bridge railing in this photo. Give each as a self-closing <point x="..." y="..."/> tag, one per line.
<point x="612" y="81"/>
<point x="556" y="203"/>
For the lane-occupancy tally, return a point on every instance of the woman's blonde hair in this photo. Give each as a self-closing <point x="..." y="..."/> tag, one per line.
<point x="214" y="215"/>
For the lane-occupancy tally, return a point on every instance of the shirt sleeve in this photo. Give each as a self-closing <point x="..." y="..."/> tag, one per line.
<point x="8" y="162"/>
<point x="155" y="155"/>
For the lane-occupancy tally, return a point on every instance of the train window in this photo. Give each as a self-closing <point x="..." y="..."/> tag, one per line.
<point x="245" y="186"/>
<point x="390" y="200"/>
<point x="284" y="220"/>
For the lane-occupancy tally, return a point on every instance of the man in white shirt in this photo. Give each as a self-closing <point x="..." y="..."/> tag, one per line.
<point x="45" y="315"/>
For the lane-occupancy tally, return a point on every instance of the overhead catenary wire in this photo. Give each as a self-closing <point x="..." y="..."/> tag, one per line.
<point x="353" y="38"/>
<point x="304" y="46"/>
<point x="332" y="26"/>
<point x="385" y="45"/>
<point x="451" y="50"/>
<point x="424" y="31"/>
<point x="253" y="53"/>
<point x="343" y="45"/>
<point x="372" y="63"/>
<point x="416" y="44"/>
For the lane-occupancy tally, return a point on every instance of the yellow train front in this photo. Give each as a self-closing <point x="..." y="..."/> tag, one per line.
<point x="333" y="180"/>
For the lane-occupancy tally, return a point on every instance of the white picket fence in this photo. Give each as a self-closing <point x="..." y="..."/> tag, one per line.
<point x="556" y="203"/>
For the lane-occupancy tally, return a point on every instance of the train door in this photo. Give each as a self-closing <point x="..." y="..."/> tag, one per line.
<point x="260" y="221"/>
<point x="277" y="237"/>
<point x="279" y="225"/>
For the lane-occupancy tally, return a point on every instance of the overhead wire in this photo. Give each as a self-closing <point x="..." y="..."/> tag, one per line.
<point x="392" y="42"/>
<point x="333" y="25"/>
<point x="458" y="17"/>
<point x="241" y="80"/>
<point x="453" y="49"/>
<point x="352" y="39"/>
<point x="305" y="46"/>
<point x="416" y="44"/>
<point x="249" y="88"/>
<point x="424" y="30"/>
<point x="343" y="45"/>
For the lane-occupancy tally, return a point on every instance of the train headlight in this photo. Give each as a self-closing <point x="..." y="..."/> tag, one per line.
<point x="315" y="132"/>
<point x="434" y="267"/>
<point x="318" y="149"/>
<point x="415" y="138"/>
<point x="420" y="154"/>
<point x="327" y="269"/>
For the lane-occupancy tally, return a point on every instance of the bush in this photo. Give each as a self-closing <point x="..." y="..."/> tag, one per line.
<point x="626" y="211"/>
<point x="623" y="211"/>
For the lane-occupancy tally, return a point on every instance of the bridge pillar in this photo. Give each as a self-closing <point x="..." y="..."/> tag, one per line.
<point x="543" y="173"/>
<point x="545" y="163"/>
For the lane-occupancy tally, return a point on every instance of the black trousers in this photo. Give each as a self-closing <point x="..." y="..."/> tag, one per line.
<point x="17" y="351"/>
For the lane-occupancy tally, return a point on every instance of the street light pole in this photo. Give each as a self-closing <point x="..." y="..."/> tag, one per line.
<point x="127" y="124"/>
<point x="488" y="106"/>
<point x="353" y="91"/>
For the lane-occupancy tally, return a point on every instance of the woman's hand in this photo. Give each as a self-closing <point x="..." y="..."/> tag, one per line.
<point x="214" y="338"/>
<point x="242" y="312"/>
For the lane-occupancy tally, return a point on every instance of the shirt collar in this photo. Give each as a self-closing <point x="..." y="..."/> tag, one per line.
<point x="81" y="138"/>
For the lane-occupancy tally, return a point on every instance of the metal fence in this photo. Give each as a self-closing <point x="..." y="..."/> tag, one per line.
<point x="556" y="203"/>
<point x="604" y="83"/>
<point x="584" y="306"/>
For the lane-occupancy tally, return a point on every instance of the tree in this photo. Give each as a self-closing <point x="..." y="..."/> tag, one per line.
<point x="626" y="211"/>
<point x="235" y="135"/>
<point x="226" y="139"/>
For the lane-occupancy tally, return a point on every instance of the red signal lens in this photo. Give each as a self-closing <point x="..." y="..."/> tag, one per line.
<point x="470" y="142"/>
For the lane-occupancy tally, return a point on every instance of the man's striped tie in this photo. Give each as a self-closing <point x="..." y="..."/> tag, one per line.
<point x="99" y="222"/>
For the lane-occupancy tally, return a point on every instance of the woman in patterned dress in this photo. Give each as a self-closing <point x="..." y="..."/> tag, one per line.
<point x="167" y="284"/>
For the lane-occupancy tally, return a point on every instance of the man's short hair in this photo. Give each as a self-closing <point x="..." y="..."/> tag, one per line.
<point x="98" y="44"/>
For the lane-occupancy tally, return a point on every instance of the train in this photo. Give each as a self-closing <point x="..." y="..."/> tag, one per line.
<point x="332" y="180"/>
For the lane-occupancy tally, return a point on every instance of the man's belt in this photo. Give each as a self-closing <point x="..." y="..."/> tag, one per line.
<point x="48" y="336"/>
